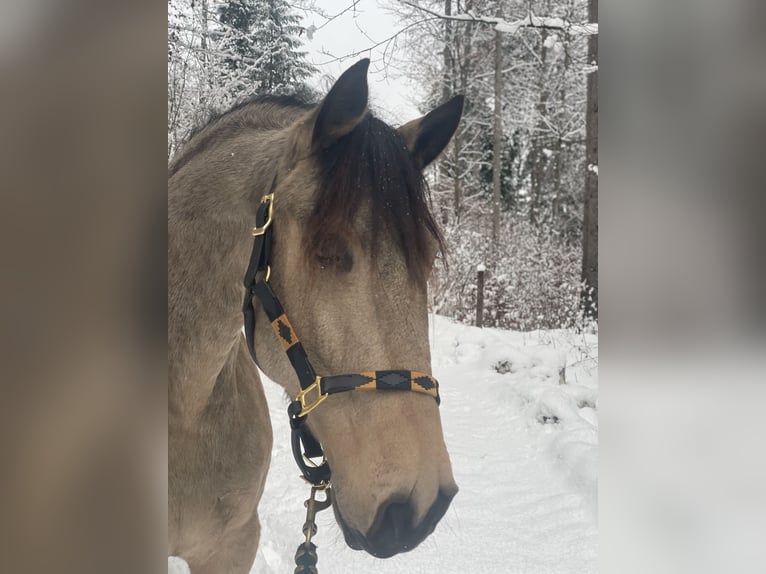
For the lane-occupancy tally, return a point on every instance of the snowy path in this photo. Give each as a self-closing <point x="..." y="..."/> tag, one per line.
<point x="527" y="489"/>
<point x="524" y="453"/>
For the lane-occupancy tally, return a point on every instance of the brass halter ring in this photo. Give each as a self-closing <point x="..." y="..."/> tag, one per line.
<point x="260" y="230"/>
<point x="306" y="405"/>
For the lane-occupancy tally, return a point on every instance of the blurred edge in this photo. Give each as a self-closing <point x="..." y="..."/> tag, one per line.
<point x="83" y="288"/>
<point x="82" y="312"/>
<point x="682" y="470"/>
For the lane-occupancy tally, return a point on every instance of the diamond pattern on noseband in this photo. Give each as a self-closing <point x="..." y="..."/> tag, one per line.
<point x="285" y="332"/>
<point x="394" y="380"/>
<point x="425" y="382"/>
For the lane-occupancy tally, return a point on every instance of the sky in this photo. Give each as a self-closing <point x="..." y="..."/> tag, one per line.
<point x="335" y="45"/>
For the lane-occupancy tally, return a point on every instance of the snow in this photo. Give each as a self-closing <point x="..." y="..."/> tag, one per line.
<point x="177" y="565"/>
<point x="553" y="42"/>
<point x="520" y="416"/>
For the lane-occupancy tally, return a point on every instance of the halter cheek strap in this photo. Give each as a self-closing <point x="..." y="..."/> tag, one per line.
<point x="314" y="388"/>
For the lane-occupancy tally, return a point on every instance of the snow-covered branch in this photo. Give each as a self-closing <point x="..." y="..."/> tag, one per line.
<point x="512" y="27"/>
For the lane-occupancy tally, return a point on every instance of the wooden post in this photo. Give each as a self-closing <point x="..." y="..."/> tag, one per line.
<point x="480" y="296"/>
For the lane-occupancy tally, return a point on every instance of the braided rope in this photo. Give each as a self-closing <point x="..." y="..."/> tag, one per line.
<point x="306" y="559"/>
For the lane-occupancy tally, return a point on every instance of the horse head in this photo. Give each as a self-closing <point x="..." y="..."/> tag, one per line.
<point x="353" y="244"/>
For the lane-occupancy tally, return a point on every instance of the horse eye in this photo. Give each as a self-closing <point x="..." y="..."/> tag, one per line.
<point x="326" y="260"/>
<point x="341" y="261"/>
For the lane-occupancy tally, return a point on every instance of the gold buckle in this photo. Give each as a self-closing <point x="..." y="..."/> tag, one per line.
<point x="307" y="406"/>
<point x="261" y="230"/>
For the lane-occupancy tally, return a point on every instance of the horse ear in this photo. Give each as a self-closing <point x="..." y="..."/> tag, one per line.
<point x="427" y="137"/>
<point x="343" y="107"/>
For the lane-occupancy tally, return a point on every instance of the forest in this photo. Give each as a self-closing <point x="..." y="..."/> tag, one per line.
<point x="515" y="193"/>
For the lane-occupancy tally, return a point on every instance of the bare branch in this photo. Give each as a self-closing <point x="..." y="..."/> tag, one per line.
<point x="313" y="9"/>
<point x="372" y="46"/>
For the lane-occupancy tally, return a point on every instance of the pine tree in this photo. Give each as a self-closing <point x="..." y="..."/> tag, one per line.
<point x="262" y="38"/>
<point x="221" y="51"/>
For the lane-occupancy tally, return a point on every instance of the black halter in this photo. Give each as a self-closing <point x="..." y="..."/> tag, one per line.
<point x="314" y="388"/>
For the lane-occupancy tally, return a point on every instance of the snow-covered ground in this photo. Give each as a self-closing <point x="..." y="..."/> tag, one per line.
<point x="520" y="419"/>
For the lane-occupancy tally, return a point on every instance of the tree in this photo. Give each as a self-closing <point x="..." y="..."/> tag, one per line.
<point x="263" y="38"/>
<point x="590" y="208"/>
<point x="516" y="169"/>
<point x="497" y="140"/>
<point x="223" y="51"/>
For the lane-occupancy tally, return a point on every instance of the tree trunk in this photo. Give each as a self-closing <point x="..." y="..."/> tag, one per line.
<point x="204" y="32"/>
<point x="448" y="90"/>
<point x="461" y="65"/>
<point x="458" y="181"/>
<point x="447" y="86"/>
<point x="480" y="296"/>
<point x="590" y="208"/>
<point x="497" y="142"/>
<point x="538" y="159"/>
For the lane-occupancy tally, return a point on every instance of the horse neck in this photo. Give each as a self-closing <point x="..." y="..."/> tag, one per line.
<point x="210" y="216"/>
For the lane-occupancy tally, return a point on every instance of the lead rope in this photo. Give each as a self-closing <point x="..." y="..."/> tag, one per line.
<point x="306" y="555"/>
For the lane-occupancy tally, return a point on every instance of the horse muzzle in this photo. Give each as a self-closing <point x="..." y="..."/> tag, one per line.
<point x="393" y="530"/>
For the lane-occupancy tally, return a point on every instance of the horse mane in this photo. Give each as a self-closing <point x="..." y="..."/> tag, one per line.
<point x="373" y="157"/>
<point x="371" y="164"/>
<point x="227" y="123"/>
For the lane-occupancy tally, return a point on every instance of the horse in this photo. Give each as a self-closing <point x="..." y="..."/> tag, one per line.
<point x="353" y="245"/>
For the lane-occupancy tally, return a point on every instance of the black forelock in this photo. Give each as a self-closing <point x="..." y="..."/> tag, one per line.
<point x="372" y="163"/>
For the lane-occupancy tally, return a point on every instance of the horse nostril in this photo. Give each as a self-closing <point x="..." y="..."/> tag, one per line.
<point x="391" y="529"/>
<point x="397" y="518"/>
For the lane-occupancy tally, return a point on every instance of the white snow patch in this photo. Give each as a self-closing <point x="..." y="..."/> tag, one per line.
<point x="550" y="41"/>
<point x="177" y="565"/>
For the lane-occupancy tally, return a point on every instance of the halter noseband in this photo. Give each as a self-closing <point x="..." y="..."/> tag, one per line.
<point x="314" y="388"/>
